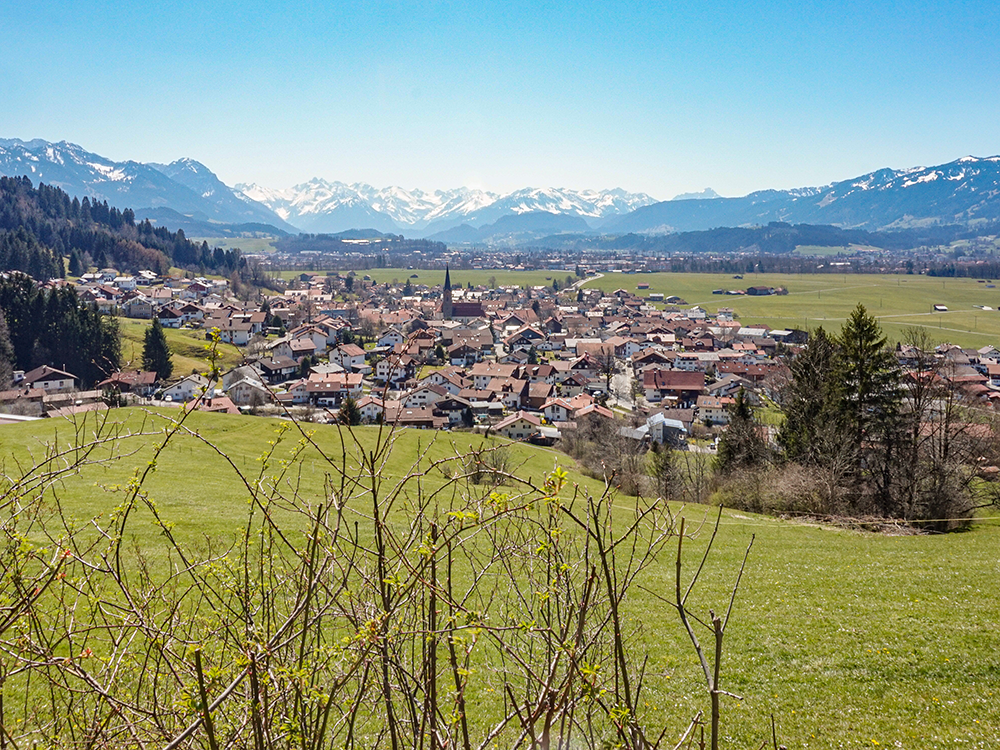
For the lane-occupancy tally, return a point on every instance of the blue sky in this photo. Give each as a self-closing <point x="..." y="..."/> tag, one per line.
<point x="637" y="95"/>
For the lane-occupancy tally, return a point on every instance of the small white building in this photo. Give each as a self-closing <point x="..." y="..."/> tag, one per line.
<point x="187" y="388"/>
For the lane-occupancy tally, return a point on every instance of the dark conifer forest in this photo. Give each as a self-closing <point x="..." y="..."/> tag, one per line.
<point x="40" y="226"/>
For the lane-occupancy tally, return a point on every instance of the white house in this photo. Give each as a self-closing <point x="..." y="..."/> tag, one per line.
<point x="351" y="357"/>
<point x="520" y="426"/>
<point x="390" y="338"/>
<point x="49" y="379"/>
<point x="186" y="389"/>
<point x="557" y="410"/>
<point x="425" y="395"/>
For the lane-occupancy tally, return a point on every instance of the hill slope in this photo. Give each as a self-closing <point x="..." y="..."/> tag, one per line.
<point x="185" y="186"/>
<point x="846" y="638"/>
<point x="961" y="192"/>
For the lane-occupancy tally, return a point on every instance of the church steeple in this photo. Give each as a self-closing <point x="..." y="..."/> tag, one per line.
<point x="446" y="297"/>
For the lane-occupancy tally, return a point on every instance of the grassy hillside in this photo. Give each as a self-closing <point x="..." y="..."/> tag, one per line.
<point x="850" y="639"/>
<point x="898" y="302"/>
<point x="249" y="245"/>
<point x="187" y="348"/>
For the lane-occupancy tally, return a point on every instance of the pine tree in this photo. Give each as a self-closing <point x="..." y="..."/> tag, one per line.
<point x="742" y="446"/>
<point x="868" y="377"/>
<point x="76" y="264"/>
<point x="811" y="402"/>
<point x="870" y="389"/>
<point x="156" y="352"/>
<point x="350" y="413"/>
<point x="6" y="354"/>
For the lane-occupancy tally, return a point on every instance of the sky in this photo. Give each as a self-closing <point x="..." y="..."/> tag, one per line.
<point x="648" y="97"/>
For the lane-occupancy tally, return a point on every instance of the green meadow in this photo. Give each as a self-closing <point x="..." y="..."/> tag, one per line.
<point x="897" y="301"/>
<point x="249" y="245"/>
<point x="188" y="348"/>
<point x="849" y="639"/>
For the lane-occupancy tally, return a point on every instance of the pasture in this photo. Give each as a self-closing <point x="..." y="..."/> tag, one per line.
<point x="849" y="639"/>
<point x="897" y="301"/>
<point x="187" y="348"/>
<point x="249" y="245"/>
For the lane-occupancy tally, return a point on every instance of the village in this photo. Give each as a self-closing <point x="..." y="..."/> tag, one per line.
<point x="524" y="362"/>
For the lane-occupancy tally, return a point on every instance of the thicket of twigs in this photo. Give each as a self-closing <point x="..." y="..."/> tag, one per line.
<point x="459" y="606"/>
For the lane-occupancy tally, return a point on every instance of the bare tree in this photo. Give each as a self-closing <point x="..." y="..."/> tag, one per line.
<point x="366" y="615"/>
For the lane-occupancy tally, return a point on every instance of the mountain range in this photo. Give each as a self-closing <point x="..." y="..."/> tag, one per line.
<point x="185" y="186"/>
<point x="186" y="194"/>
<point x="321" y="206"/>
<point x="965" y="191"/>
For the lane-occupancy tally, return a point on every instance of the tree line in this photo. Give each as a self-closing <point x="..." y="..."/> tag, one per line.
<point x="52" y="326"/>
<point x="774" y="238"/>
<point x="39" y="226"/>
<point x="867" y="431"/>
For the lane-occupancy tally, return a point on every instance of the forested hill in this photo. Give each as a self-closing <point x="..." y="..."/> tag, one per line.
<point x="39" y="226"/>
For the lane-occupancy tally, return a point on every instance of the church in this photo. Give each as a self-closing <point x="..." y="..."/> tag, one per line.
<point x="461" y="311"/>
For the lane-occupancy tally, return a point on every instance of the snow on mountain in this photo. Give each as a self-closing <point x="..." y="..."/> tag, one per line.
<point x="185" y="186"/>
<point x="315" y="203"/>
<point x="236" y="206"/>
<point x="962" y="191"/>
<point x="706" y="194"/>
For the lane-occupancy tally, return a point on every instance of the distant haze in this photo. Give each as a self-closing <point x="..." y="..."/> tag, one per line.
<point x="705" y="194"/>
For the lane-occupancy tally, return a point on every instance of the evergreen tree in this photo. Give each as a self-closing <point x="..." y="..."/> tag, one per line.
<point x="76" y="264"/>
<point x="532" y="356"/>
<point x="868" y="377"/>
<point x="742" y="446"/>
<point x="660" y="462"/>
<point x="156" y="352"/>
<point x="6" y="354"/>
<point x="350" y="413"/>
<point x="811" y="402"/>
<point x="870" y="390"/>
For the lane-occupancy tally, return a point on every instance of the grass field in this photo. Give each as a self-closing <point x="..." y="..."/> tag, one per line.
<point x="850" y="639"/>
<point x="187" y="348"/>
<point x="813" y="300"/>
<point x="249" y="245"/>
<point x="898" y="302"/>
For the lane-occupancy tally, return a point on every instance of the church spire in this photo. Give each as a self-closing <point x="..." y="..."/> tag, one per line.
<point x="446" y="296"/>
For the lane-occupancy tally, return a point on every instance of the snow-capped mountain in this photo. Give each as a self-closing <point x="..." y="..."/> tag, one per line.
<point x="321" y="206"/>
<point x="959" y="192"/>
<point x="185" y="186"/>
<point x="963" y="191"/>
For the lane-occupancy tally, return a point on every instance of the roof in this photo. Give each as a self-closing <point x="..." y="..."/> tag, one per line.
<point x="514" y="418"/>
<point x="130" y="378"/>
<point x="677" y="379"/>
<point x="43" y="373"/>
<point x="675" y="424"/>
<point x="352" y="350"/>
